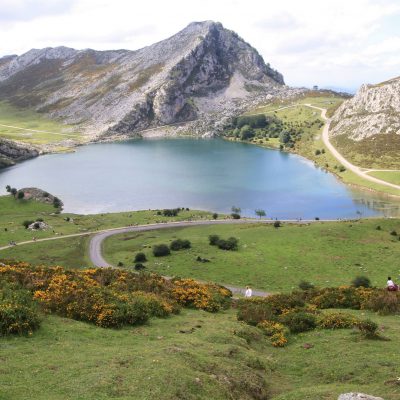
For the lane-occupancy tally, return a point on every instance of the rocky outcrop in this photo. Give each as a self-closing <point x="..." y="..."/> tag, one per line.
<point x="204" y="70"/>
<point x="40" y="195"/>
<point x="358" y="396"/>
<point x="11" y="152"/>
<point x="375" y="109"/>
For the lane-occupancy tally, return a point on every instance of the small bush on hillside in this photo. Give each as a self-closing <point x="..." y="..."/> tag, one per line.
<point x="120" y="264"/>
<point x="305" y="285"/>
<point x="378" y="228"/>
<point x="161" y="250"/>
<point x="336" y="321"/>
<point x="140" y="258"/>
<point x="215" y="216"/>
<point x="229" y="244"/>
<point x="277" y="224"/>
<point x="368" y="328"/>
<point x="139" y="267"/>
<point x="393" y="233"/>
<point x="299" y="321"/>
<point x="27" y="222"/>
<point x="361" y="281"/>
<point x="180" y="244"/>
<point x="235" y="216"/>
<point x="20" y="195"/>
<point x="213" y="240"/>
<point x="18" y="314"/>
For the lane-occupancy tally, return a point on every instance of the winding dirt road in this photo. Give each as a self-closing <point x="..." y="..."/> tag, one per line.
<point x="357" y="170"/>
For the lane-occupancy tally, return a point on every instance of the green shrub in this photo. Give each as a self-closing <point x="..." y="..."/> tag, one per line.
<point x="180" y="244"/>
<point x="336" y="321"/>
<point x="229" y="244"/>
<point x="215" y="216"/>
<point x="18" y="313"/>
<point x="139" y="267"/>
<point x="213" y="240"/>
<point x="161" y="250"/>
<point x="393" y="233"/>
<point x="299" y="321"/>
<point x="235" y="216"/>
<point x="254" y="310"/>
<point x="361" y="281"/>
<point x="27" y="222"/>
<point x="368" y="328"/>
<point x="140" y="258"/>
<point x="171" y="212"/>
<point x="305" y="285"/>
<point x="277" y="224"/>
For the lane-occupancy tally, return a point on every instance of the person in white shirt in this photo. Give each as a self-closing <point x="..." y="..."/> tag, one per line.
<point x="391" y="285"/>
<point x="248" y="292"/>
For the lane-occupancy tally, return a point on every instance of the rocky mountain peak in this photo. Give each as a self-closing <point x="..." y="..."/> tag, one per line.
<point x="196" y="72"/>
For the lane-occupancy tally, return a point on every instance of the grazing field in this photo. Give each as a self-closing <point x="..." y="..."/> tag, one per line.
<point x="268" y="258"/>
<point x="393" y="177"/>
<point x="195" y="355"/>
<point x="14" y="212"/>
<point x="30" y="121"/>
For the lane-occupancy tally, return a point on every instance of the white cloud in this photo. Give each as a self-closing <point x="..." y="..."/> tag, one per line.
<point x="331" y="42"/>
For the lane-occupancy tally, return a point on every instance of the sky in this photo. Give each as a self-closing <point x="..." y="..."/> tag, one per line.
<point x="329" y="43"/>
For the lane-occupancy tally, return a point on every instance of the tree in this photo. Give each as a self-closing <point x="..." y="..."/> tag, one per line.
<point x="246" y="132"/>
<point x="260" y="213"/>
<point x="284" y="137"/>
<point x="161" y="250"/>
<point x="8" y="188"/>
<point x="20" y="195"/>
<point x="215" y="216"/>
<point x="13" y="191"/>
<point x="236" y="210"/>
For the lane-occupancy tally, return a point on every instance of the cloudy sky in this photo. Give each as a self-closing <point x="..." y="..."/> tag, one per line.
<point x="340" y="43"/>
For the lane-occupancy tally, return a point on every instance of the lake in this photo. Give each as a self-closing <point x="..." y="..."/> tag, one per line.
<point x="200" y="174"/>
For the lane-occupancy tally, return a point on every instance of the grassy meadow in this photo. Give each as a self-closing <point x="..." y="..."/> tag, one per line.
<point x="195" y="355"/>
<point x="14" y="212"/>
<point x="31" y="121"/>
<point x="272" y="259"/>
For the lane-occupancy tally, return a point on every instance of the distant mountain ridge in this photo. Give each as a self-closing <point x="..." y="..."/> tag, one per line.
<point x="375" y="109"/>
<point x="204" y="70"/>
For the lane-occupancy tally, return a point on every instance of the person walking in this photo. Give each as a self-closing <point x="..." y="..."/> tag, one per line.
<point x="391" y="286"/>
<point x="248" y="292"/>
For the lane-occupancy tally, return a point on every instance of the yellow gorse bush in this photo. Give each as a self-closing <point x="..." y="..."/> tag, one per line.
<point x="112" y="297"/>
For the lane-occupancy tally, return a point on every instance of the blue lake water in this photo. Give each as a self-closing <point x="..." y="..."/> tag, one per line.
<point x="202" y="174"/>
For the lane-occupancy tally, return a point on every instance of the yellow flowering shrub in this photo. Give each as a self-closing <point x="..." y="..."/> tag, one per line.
<point x="336" y="320"/>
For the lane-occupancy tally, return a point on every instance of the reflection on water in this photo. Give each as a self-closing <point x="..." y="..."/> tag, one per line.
<point x="202" y="174"/>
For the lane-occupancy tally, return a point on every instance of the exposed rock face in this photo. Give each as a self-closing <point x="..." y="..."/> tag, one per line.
<point x="375" y="109"/>
<point x="11" y="152"/>
<point x="39" y="195"/>
<point x="183" y="78"/>
<point x="358" y="396"/>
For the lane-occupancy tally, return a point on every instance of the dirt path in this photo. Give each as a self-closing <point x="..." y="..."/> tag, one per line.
<point x="357" y="170"/>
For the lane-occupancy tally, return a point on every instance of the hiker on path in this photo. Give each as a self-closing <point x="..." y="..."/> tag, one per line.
<point x="248" y="292"/>
<point x="391" y="286"/>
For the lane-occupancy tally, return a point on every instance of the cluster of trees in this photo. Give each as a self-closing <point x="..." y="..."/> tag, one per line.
<point x="172" y="212"/>
<point x="253" y="127"/>
<point x="14" y="192"/>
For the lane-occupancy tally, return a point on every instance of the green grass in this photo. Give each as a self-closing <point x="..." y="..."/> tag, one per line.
<point x="14" y="212"/>
<point x="30" y="119"/>
<point x="67" y="252"/>
<point x="326" y="253"/>
<point x="389" y="176"/>
<point x="66" y="359"/>
<point x="379" y="151"/>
